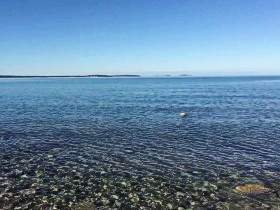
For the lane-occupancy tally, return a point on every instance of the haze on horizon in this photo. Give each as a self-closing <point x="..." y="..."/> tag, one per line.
<point x="148" y="37"/>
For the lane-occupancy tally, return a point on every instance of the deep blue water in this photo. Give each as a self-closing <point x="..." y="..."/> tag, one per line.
<point x="62" y="140"/>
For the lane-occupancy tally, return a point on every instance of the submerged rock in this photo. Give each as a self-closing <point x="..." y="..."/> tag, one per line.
<point x="251" y="189"/>
<point x="84" y="206"/>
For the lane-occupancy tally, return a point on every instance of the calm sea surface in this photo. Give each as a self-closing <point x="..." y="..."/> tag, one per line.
<point x="120" y="142"/>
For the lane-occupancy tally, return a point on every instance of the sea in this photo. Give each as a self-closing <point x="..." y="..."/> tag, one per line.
<point x="120" y="143"/>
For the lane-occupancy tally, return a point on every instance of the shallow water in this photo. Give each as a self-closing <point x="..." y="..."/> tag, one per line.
<point x="120" y="143"/>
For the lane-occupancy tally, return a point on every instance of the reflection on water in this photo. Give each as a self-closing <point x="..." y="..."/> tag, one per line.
<point x="120" y="143"/>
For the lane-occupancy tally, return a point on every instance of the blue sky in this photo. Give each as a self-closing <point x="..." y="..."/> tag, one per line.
<point x="199" y="37"/>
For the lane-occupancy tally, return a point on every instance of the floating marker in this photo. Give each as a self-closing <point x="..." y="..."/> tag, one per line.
<point x="183" y="114"/>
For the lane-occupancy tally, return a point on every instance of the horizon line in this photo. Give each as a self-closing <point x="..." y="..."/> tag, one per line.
<point x="131" y="75"/>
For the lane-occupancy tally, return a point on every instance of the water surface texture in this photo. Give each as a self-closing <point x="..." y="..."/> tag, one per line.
<point x="120" y="142"/>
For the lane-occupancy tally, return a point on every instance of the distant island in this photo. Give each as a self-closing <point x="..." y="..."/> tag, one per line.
<point x="66" y="76"/>
<point x="185" y="75"/>
<point x="116" y="75"/>
<point x="176" y="75"/>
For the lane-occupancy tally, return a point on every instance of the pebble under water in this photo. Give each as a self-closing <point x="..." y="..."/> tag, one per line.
<point x="120" y="143"/>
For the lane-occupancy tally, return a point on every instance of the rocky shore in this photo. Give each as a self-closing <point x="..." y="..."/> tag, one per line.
<point x="80" y="187"/>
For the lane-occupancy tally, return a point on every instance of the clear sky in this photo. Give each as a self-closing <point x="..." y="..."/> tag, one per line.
<point x="199" y="37"/>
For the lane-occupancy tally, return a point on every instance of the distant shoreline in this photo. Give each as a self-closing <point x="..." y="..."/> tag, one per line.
<point x="128" y="76"/>
<point x="70" y="76"/>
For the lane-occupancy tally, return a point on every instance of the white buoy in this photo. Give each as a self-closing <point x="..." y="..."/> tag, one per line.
<point x="183" y="114"/>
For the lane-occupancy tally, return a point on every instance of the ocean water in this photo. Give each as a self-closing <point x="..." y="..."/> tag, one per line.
<point x="120" y="142"/>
